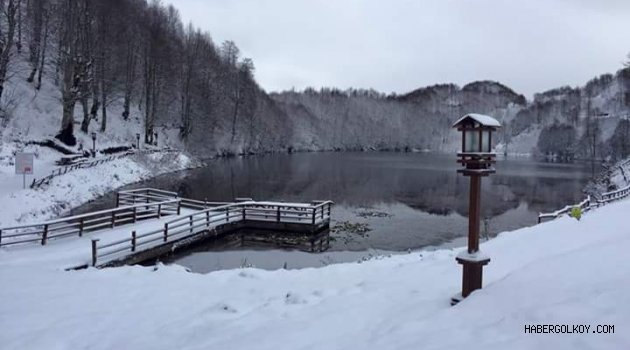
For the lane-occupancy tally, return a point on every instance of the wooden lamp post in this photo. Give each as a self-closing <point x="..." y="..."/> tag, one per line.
<point x="477" y="159"/>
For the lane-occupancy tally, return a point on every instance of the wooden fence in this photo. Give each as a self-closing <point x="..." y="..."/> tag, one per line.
<point x="588" y="204"/>
<point x="584" y="206"/>
<point x="83" y="165"/>
<point x="207" y="219"/>
<point x="89" y="164"/>
<point x="79" y="224"/>
<point x="142" y="195"/>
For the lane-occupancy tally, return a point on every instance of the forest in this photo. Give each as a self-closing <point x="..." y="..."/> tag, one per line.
<point x="170" y="76"/>
<point x="134" y="51"/>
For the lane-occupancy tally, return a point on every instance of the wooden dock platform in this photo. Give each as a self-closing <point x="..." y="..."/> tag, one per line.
<point x="174" y="223"/>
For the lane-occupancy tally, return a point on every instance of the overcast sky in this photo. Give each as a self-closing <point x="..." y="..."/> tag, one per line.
<point x="400" y="45"/>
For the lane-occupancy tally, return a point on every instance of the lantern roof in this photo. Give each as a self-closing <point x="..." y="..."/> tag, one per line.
<point x="484" y="120"/>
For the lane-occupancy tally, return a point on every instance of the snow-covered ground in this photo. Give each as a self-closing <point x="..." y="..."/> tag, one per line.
<point x="564" y="272"/>
<point x="36" y="116"/>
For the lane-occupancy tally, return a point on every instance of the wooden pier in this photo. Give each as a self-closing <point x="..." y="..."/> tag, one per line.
<point x="158" y="222"/>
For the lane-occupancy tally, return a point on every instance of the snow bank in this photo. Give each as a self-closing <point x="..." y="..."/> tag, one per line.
<point x="563" y="272"/>
<point x="80" y="186"/>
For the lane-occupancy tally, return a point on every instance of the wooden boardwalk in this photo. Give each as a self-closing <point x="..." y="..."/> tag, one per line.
<point x="147" y="223"/>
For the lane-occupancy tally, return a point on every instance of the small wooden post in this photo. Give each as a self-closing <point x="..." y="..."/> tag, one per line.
<point x="278" y="215"/>
<point x="133" y="241"/>
<point x="191" y="223"/>
<point x="314" y="216"/>
<point x="117" y="199"/>
<point x="135" y="214"/>
<point x="179" y="207"/>
<point x="81" y="227"/>
<point x="207" y="219"/>
<point x="227" y="214"/>
<point x="159" y="213"/>
<point x="322" y="212"/>
<point x="0" y="238"/>
<point x="165" y="231"/>
<point x="45" y="235"/>
<point x="94" y="251"/>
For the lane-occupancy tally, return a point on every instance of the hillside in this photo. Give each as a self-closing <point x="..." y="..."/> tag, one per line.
<point x="585" y="122"/>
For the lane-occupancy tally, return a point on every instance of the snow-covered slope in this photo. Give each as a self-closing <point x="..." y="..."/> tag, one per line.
<point x="35" y="116"/>
<point x="564" y="272"/>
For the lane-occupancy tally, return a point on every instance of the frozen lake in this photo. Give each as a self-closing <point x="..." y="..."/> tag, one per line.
<point x="385" y="202"/>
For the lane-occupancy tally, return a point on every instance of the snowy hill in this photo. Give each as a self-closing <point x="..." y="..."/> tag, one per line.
<point x="564" y="276"/>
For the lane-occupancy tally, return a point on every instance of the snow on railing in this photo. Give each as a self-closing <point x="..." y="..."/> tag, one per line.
<point x="77" y="225"/>
<point x="89" y="164"/>
<point x="83" y="165"/>
<point x="584" y="206"/>
<point x="614" y="195"/>
<point x="211" y="218"/>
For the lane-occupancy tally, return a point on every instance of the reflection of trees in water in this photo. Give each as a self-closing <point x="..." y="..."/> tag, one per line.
<point x="427" y="183"/>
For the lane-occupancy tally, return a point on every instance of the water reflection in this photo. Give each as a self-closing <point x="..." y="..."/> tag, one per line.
<point x="425" y="182"/>
<point x="423" y="199"/>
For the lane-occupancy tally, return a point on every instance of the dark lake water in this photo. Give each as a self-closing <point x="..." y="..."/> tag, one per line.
<point x="385" y="202"/>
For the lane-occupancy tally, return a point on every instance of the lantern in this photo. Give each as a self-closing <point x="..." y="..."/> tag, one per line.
<point x="477" y="159"/>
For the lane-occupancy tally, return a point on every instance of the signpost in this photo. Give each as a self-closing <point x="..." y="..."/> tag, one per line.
<point x="24" y="166"/>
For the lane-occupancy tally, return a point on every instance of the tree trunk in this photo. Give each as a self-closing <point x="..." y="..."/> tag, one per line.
<point x="85" y="124"/>
<point x="66" y="134"/>
<point x="5" y="54"/>
<point x="103" y="109"/>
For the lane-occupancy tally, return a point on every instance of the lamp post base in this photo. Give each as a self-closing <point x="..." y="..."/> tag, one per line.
<point x="473" y="264"/>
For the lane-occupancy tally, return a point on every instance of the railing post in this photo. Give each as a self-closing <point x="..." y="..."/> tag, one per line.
<point x="322" y="212"/>
<point x="314" y="216"/>
<point x="539" y="218"/>
<point x="0" y="238"/>
<point x="278" y="215"/>
<point x="117" y="199"/>
<point x="191" y="223"/>
<point x="207" y="219"/>
<point x="94" y="251"/>
<point x="329" y="209"/>
<point x="179" y="207"/>
<point x="227" y="214"/>
<point x="133" y="241"/>
<point x="45" y="235"/>
<point x="81" y="227"/>
<point x="159" y="214"/>
<point x="135" y="214"/>
<point x="165" y="231"/>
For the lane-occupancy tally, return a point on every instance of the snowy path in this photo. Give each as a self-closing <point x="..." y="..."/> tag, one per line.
<point x="70" y="252"/>
<point x="562" y="272"/>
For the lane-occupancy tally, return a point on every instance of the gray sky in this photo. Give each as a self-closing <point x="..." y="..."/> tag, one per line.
<point x="400" y="45"/>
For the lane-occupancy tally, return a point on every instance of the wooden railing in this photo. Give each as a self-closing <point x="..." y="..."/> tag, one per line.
<point x="142" y="195"/>
<point x="614" y="195"/>
<point x="206" y="219"/>
<point x="79" y="224"/>
<point x="83" y="165"/>
<point x="584" y="206"/>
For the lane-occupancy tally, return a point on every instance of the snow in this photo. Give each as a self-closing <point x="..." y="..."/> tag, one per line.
<point x="35" y="117"/>
<point x="481" y="119"/>
<point x="564" y="272"/>
<point x="477" y="256"/>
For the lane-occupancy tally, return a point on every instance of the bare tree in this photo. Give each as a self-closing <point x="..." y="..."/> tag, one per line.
<point x="7" y="35"/>
<point x="74" y="66"/>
